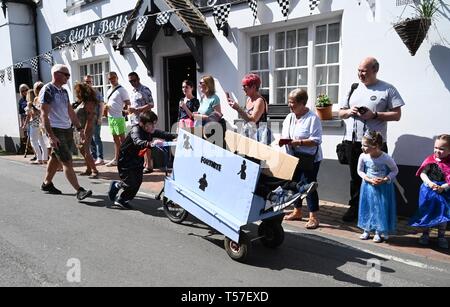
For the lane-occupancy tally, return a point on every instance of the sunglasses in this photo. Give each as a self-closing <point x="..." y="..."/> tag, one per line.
<point x="133" y="81"/>
<point x="65" y="74"/>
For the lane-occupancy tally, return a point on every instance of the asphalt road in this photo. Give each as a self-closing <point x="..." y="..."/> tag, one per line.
<point x="48" y="240"/>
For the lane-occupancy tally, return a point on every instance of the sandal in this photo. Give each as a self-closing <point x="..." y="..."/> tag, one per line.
<point x="86" y="173"/>
<point x="312" y="224"/>
<point x="94" y="175"/>
<point x="293" y="217"/>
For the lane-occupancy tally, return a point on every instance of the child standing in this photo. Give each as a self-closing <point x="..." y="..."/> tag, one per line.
<point x="131" y="158"/>
<point x="434" y="198"/>
<point x="377" y="204"/>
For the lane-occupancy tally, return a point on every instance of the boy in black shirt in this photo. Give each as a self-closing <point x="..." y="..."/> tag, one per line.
<point x="131" y="158"/>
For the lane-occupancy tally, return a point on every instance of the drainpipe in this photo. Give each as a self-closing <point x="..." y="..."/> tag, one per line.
<point x="36" y="36"/>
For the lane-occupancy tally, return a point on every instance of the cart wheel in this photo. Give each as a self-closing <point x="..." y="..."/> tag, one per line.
<point x="272" y="234"/>
<point x="174" y="212"/>
<point x="238" y="251"/>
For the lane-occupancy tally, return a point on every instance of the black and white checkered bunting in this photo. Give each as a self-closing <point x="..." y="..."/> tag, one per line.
<point x="48" y="57"/>
<point x="18" y="65"/>
<point x="163" y="18"/>
<point x="313" y="4"/>
<point x="74" y="48"/>
<point x="284" y="4"/>
<point x="34" y="64"/>
<point x="86" y="45"/>
<point x="253" y="4"/>
<point x="373" y="6"/>
<point x="220" y="14"/>
<point x="2" y="76"/>
<point x="142" y="21"/>
<point x="9" y="72"/>
<point x="99" y="40"/>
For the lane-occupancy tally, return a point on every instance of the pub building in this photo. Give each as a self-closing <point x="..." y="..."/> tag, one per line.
<point x="313" y="45"/>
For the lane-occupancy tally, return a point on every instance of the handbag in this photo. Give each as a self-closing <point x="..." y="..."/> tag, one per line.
<point x="341" y="148"/>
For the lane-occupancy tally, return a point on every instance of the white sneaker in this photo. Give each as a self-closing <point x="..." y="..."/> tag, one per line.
<point x="377" y="238"/>
<point x="111" y="163"/>
<point x="99" y="162"/>
<point x="365" y="236"/>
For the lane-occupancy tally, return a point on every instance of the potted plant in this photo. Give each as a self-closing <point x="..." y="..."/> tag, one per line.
<point x="324" y="107"/>
<point x="413" y="31"/>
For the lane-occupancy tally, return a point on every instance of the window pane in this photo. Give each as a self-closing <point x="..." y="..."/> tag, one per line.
<point x="264" y="43"/>
<point x="254" y="59"/>
<point x="264" y="78"/>
<point x="281" y="96"/>
<point x="264" y="61"/>
<point x="333" y="93"/>
<point x="291" y="39"/>
<point x="255" y="45"/>
<point x="280" y="77"/>
<point x="265" y="94"/>
<point x="333" y="74"/>
<point x="333" y="53"/>
<point x="321" y="75"/>
<point x="279" y="59"/>
<point x="320" y="54"/>
<point x="321" y="35"/>
<point x="279" y="40"/>
<point x="303" y="76"/>
<point x="302" y="57"/>
<point x="290" y="58"/>
<point x="302" y="37"/>
<point x="334" y="32"/>
<point x="321" y="90"/>
<point x="292" y="77"/>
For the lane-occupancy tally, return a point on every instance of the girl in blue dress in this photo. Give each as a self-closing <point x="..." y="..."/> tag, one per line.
<point x="434" y="198"/>
<point x="377" y="204"/>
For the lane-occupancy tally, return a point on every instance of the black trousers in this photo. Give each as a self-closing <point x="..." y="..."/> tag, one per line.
<point x="131" y="181"/>
<point x="353" y="151"/>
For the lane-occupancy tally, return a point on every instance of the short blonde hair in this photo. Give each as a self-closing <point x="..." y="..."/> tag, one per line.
<point x="23" y="87"/>
<point x="59" y="67"/>
<point x="37" y="87"/>
<point x="210" y="85"/>
<point x="299" y="96"/>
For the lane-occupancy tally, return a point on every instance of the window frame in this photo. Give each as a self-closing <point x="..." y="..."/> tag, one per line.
<point x="106" y="69"/>
<point x="311" y="66"/>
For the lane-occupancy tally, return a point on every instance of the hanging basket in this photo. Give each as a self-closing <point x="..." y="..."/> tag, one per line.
<point x="413" y="32"/>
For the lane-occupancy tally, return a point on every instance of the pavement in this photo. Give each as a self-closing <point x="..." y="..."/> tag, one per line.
<point x="330" y="214"/>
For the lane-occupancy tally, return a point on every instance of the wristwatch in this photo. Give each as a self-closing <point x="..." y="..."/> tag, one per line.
<point x="301" y="142"/>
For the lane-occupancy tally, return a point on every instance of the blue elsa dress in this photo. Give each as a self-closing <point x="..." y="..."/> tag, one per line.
<point x="377" y="204"/>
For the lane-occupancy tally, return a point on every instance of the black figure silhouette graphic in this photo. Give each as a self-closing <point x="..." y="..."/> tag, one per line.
<point x="187" y="144"/>
<point x="203" y="183"/>
<point x="243" y="169"/>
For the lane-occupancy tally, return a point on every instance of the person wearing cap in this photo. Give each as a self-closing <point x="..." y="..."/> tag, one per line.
<point x="58" y="117"/>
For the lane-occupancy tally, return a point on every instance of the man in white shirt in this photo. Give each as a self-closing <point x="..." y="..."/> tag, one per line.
<point x="141" y="101"/>
<point x="117" y="99"/>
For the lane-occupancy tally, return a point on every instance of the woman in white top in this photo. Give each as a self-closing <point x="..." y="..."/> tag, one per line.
<point x="302" y="134"/>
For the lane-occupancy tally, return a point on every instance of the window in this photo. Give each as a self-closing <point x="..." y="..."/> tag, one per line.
<point x="99" y="71"/>
<point x="76" y="4"/>
<point x="306" y="57"/>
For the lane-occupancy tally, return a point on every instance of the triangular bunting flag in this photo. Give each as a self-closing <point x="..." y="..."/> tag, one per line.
<point x="48" y="57"/>
<point x="220" y="14"/>
<point x="86" y="45"/>
<point x="284" y="4"/>
<point x="9" y="72"/>
<point x="373" y="6"/>
<point x="2" y="76"/>
<point x="18" y="65"/>
<point x="34" y="64"/>
<point x="253" y="4"/>
<point x="313" y="4"/>
<point x="163" y="18"/>
<point x="74" y="48"/>
<point x="100" y="39"/>
<point x="142" y="21"/>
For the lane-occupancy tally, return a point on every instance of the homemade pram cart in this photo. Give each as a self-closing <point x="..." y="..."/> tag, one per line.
<point x="217" y="185"/>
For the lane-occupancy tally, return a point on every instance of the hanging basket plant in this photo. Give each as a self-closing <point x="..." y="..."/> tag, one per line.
<point x="413" y="31"/>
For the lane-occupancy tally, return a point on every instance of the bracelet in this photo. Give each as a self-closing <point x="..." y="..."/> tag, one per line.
<point x="301" y="142"/>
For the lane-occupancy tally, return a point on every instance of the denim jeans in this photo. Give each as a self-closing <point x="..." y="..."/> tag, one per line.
<point x="96" y="144"/>
<point x="306" y="177"/>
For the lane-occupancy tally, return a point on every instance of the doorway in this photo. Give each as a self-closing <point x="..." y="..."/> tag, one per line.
<point x="177" y="69"/>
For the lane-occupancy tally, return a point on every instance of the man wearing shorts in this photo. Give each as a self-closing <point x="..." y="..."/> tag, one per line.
<point x="117" y="99"/>
<point x="58" y="117"/>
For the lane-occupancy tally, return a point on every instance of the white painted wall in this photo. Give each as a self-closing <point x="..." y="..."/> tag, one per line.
<point x="422" y="80"/>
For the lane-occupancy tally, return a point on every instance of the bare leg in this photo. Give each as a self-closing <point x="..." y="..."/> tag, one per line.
<point x="70" y="174"/>
<point x="52" y="168"/>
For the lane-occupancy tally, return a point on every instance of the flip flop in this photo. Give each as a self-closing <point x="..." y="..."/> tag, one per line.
<point x="312" y="224"/>
<point x="292" y="217"/>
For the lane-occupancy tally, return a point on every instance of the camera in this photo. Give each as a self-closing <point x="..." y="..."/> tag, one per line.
<point x="362" y="110"/>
